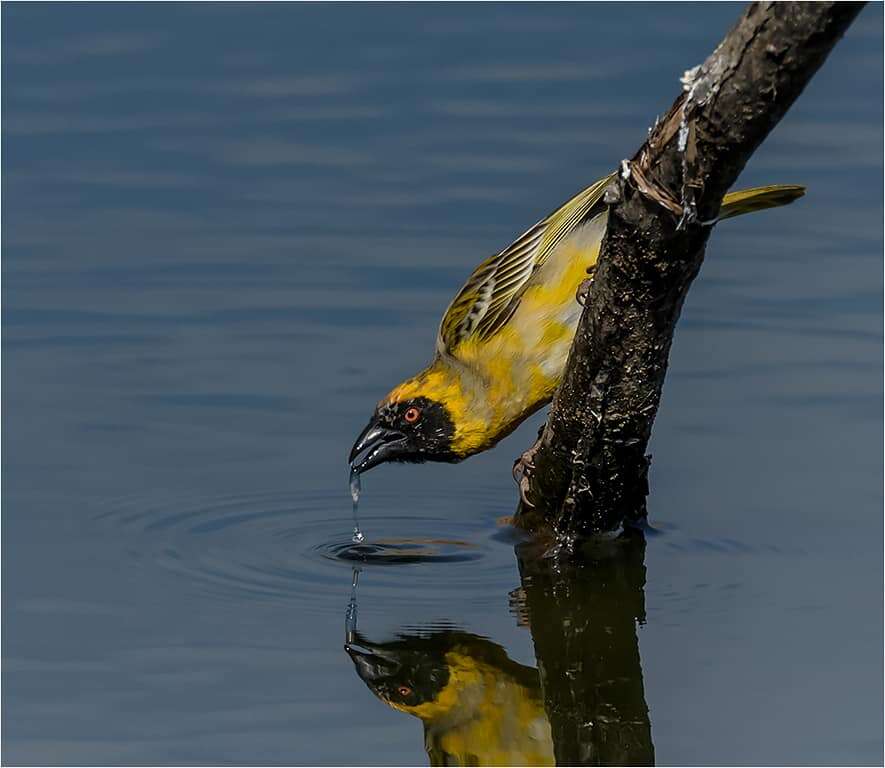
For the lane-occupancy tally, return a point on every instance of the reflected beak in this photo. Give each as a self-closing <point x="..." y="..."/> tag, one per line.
<point x="376" y="445"/>
<point x="370" y="666"/>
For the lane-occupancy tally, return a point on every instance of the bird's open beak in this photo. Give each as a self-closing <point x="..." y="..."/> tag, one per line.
<point x="372" y="666"/>
<point x="376" y="445"/>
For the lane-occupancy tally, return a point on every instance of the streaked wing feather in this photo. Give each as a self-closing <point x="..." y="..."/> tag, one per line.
<point x="493" y="291"/>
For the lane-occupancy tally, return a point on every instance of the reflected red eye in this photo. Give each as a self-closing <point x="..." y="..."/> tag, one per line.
<point x="404" y="690"/>
<point x="412" y="415"/>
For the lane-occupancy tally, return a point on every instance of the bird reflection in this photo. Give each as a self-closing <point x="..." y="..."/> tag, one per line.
<point x="584" y="705"/>
<point x="478" y="706"/>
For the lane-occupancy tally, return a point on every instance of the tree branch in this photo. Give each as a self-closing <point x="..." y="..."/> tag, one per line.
<point x="591" y="466"/>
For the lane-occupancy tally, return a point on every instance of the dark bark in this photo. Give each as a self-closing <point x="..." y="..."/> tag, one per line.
<point x="591" y="466"/>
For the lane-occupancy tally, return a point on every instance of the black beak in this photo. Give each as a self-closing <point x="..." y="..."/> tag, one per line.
<point x="370" y="666"/>
<point x="375" y="445"/>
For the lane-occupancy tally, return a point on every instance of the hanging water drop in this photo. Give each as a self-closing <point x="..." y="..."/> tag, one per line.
<point x="355" y="488"/>
<point x="358" y="537"/>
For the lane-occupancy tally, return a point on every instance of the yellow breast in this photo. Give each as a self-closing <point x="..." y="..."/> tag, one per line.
<point x="523" y="362"/>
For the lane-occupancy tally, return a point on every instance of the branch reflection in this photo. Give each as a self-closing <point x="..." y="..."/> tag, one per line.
<point x="583" y="616"/>
<point x="584" y="705"/>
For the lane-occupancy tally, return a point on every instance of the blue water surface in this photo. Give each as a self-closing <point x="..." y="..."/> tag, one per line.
<point x="229" y="229"/>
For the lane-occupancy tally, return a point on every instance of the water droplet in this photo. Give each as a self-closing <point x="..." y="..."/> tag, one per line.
<point x="355" y="487"/>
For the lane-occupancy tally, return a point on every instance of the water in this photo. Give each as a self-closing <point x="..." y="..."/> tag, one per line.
<point x="350" y="616"/>
<point x="229" y="230"/>
<point x="355" y="486"/>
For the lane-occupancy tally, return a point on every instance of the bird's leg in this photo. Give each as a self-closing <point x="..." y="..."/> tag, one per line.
<point x="523" y="468"/>
<point x="584" y="287"/>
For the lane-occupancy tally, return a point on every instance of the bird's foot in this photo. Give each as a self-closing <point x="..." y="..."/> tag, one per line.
<point x="584" y="288"/>
<point x="583" y="291"/>
<point x="523" y="468"/>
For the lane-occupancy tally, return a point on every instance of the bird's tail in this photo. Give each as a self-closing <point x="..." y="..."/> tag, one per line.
<point x="758" y="199"/>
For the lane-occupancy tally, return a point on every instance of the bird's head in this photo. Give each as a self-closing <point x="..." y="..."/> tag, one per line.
<point x="406" y="426"/>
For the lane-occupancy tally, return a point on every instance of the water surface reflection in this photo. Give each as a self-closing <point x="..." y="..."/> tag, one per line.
<point x="583" y="705"/>
<point x="583" y="616"/>
<point x="477" y="705"/>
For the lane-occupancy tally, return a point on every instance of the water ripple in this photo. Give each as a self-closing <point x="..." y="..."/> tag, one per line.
<point x="296" y="547"/>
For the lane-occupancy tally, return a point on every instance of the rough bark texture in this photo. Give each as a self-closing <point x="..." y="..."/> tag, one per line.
<point x="591" y="466"/>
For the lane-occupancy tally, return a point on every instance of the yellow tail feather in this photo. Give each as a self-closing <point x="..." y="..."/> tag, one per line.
<point x="758" y="199"/>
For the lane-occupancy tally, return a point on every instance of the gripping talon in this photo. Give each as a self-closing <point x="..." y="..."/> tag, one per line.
<point x="583" y="291"/>
<point x="524" y="492"/>
<point x="523" y="468"/>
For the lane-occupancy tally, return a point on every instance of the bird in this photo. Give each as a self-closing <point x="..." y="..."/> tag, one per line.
<point x="503" y="341"/>
<point x="477" y="705"/>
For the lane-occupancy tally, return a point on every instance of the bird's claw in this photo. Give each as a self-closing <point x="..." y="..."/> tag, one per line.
<point x="523" y="468"/>
<point x="584" y="288"/>
<point x="524" y="492"/>
<point x="583" y="291"/>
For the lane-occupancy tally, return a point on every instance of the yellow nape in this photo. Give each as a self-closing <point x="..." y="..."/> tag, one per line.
<point x="445" y="382"/>
<point x="435" y="383"/>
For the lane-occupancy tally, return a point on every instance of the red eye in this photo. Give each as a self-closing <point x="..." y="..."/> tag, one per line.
<point x="404" y="690"/>
<point x="412" y="415"/>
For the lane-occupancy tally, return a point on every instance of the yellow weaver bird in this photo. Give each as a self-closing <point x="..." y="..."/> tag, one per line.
<point x="478" y="706"/>
<point x="503" y="341"/>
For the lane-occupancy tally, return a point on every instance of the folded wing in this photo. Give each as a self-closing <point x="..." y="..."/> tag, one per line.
<point x="492" y="293"/>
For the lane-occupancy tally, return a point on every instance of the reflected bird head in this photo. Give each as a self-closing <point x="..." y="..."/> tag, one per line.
<point x="478" y="706"/>
<point x="399" y="674"/>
